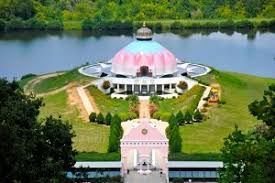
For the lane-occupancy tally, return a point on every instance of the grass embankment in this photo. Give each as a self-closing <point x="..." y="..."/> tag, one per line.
<point x="201" y="141"/>
<point x="188" y="101"/>
<point x="53" y="83"/>
<point x="90" y="137"/>
<point x="238" y="91"/>
<point x="106" y="104"/>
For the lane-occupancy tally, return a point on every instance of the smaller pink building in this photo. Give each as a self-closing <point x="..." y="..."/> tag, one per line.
<point x="144" y="149"/>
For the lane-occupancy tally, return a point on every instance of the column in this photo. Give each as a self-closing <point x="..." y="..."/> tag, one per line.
<point x="148" y="89"/>
<point x="162" y="87"/>
<point x="133" y="89"/>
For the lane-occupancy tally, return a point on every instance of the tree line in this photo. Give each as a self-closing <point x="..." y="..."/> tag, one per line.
<point x="50" y="14"/>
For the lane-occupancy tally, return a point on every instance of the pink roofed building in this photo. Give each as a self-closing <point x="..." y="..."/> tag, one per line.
<point x="144" y="149"/>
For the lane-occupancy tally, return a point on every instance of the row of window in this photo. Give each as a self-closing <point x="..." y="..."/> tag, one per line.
<point x="193" y="174"/>
<point x="144" y="143"/>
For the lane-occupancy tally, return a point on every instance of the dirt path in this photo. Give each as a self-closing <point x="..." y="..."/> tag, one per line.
<point x="144" y="111"/>
<point x="28" y="88"/>
<point x="75" y="100"/>
<point x="92" y="101"/>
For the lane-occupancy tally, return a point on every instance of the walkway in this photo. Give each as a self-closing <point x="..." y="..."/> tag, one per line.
<point x="85" y="99"/>
<point x="154" y="177"/>
<point x="204" y="95"/>
<point x="28" y="88"/>
<point x="144" y="109"/>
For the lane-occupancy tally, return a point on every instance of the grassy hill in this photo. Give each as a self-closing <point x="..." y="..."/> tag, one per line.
<point x="203" y="139"/>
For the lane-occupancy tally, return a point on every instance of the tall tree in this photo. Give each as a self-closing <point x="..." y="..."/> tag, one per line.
<point x="31" y="150"/>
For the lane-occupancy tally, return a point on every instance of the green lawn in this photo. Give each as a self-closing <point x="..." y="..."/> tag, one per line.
<point x="106" y="104"/>
<point x="53" y="83"/>
<point x="200" y="140"/>
<point x="187" y="101"/>
<point x="90" y="137"/>
<point x="238" y="91"/>
<point x="23" y="82"/>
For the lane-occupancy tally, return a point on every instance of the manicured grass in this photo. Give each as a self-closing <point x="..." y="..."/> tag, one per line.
<point x="106" y="104"/>
<point x="90" y="137"/>
<point x="238" y="91"/>
<point x="59" y="81"/>
<point x="187" y="101"/>
<point x="94" y="156"/>
<point x="23" y="82"/>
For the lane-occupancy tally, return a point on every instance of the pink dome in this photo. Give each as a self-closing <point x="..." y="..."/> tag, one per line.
<point x="144" y="58"/>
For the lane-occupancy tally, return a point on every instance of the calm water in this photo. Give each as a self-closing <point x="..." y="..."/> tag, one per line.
<point x="43" y="52"/>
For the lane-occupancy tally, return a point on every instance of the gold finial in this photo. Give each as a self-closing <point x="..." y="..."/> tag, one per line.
<point x="144" y="24"/>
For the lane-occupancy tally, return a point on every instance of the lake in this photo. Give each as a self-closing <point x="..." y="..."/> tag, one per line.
<point x="42" y="52"/>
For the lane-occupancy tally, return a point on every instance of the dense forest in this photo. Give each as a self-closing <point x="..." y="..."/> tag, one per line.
<point x="53" y="13"/>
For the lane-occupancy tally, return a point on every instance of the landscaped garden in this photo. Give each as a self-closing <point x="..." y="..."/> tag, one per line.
<point x="199" y="140"/>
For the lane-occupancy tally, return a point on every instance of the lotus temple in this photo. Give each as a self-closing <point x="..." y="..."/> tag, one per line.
<point x="144" y="67"/>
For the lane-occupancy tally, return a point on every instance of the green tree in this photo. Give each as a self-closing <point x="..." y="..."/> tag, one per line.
<point x="31" y="150"/>
<point x="115" y="134"/>
<point x="180" y="118"/>
<point x="198" y="116"/>
<point x="100" y="118"/>
<point x="92" y="117"/>
<point x="249" y="157"/>
<point x="188" y="117"/>
<point x="108" y="118"/>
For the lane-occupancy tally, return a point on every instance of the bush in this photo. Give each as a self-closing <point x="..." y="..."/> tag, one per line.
<point x="87" y="24"/>
<point x="182" y="85"/>
<point x="197" y="116"/>
<point x="28" y="76"/>
<point x="244" y="24"/>
<point x="124" y="116"/>
<point x="106" y="84"/>
<point x="34" y="23"/>
<point x="188" y="117"/>
<point x="15" y="24"/>
<point x="180" y="118"/>
<point x="176" y="25"/>
<point x="92" y="117"/>
<point x="55" y="25"/>
<point x="2" y="25"/>
<point x="108" y="119"/>
<point x="154" y="99"/>
<point x="226" y="24"/>
<point x="100" y="118"/>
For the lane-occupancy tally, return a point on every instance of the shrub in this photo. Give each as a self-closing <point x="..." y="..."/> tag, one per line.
<point x="34" y="23"/>
<point x="15" y="24"/>
<point x="244" y="24"/>
<point x="124" y="116"/>
<point x="108" y="119"/>
<point x="188" y="117"/>
<point x="2" y="25"/>
<point x="226" y="24"/>
<point x="154" y="99"/>
<point x="176" y="25"/>
<point x="87" y="24"/>
<point x="180" y="118"/>
<point x="100" y="118"/>
<point x="153" y="108"/>
<point x="106" y="84"/>
<point x="116" y="133"/>
<point x="92" y="117"/>
<point x="182" y="85"/>
<point x="165" y="116"/>
<point x="222" y="102"/>
<point x="133" y="99"/>
<point x="55" y="25"/>
<point x="28" y="76"/>
<point x="197" y="116"/>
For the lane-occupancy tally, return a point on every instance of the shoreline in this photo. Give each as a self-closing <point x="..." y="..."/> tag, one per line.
<point x="156" y="25"/>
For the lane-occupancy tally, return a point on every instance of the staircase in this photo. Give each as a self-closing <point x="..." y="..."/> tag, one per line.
<point x="154" y="177"/>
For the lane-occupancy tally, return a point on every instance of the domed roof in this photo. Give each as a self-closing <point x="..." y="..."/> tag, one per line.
<point x="144" y="33"/>
<point x="159" y="60"/>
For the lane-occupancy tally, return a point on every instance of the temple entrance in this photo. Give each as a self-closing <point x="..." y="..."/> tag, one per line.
<point x="144" y="71"/>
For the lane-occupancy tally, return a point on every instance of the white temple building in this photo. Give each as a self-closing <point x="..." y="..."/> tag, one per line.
<point x="144" y="67"/>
